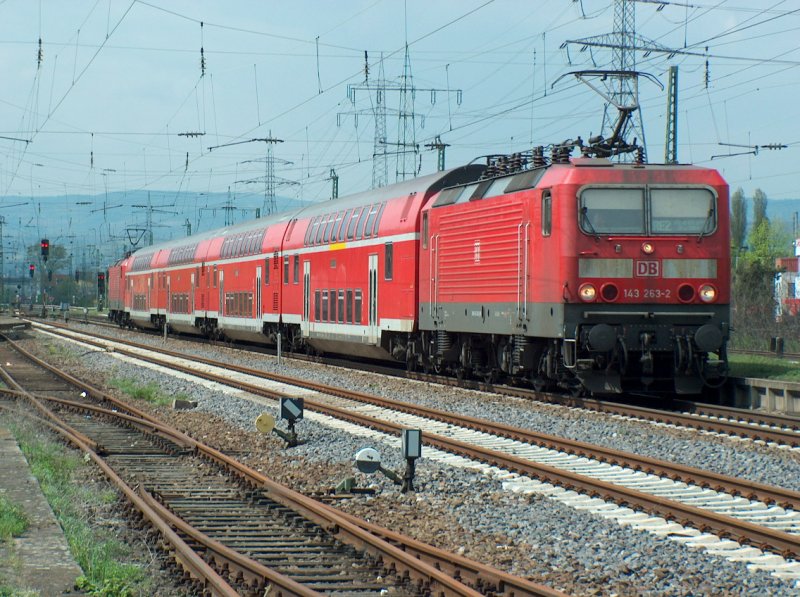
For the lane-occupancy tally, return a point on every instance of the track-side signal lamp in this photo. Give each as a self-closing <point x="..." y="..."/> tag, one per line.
<point x="101" y="283"/>
<point x="31" y="270"/>
<point x="45" y="249"/>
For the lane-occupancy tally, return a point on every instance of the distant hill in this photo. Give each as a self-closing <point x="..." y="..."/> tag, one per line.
<point x="783" y="210"/>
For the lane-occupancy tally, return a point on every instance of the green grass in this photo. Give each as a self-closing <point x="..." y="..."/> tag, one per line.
<point x="13" y="521"/>
<point x="764" y="367"/>
<point x="149" y="392"/>
<point x="98" y="552"/>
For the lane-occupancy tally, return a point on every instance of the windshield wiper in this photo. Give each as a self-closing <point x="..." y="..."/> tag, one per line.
<point x="706" y="228"/>
<point x="588" y="222"/>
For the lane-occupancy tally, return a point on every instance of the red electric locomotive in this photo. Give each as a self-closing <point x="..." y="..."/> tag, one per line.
<point x="586" y="274"/>
<point x="583" y="273"/>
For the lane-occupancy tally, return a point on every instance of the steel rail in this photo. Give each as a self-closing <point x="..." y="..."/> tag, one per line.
<point x="402" y="557"/>
<point x="184" y="556"/>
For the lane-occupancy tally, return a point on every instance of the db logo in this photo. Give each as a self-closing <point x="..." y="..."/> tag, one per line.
<point x="647" y="269"/>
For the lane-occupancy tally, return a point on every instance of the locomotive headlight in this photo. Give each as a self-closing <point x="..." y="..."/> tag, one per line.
<point x="707" y="293"/>
<point x="587" y="292"/>
<point x="648" y="248"/>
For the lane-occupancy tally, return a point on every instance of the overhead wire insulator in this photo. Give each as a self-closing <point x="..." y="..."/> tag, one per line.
<point x="202" y="53"/>
<point x="39" y="55"/>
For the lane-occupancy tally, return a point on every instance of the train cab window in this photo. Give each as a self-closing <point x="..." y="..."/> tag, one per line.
<point x="357" y="306"/>
<point x="547" y="213"/>
<point x="286" y="269"/>
<point x="388" y="259"/>
<point x="266" y="271"/>
<point x="324" y="305"/>
<point x="215" y="276"/>
<point x="343" y="228"/>
<point x="682" y="211"/>
<point x="498" y="187"/>
<point x="317" y="304"/>
<point x="361" y="220"/>
<point x="612" y="211"/>
<point x="341" y="306"/>
<point x="349" y="305"/>
<point x="332" y="297"/>
<point x="425" y="230"/>
<point x="296" y="273"/>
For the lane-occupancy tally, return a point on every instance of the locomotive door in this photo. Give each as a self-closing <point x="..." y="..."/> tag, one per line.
<point x="259" y="305"/>
<point x="523" y="269"/>
<point x="305" y="325"/>
<point x="372" y="329"/>
<point x="434" y="269"/>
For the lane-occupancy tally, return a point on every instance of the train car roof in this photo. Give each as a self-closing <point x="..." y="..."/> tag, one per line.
<point x="427" y="185"/>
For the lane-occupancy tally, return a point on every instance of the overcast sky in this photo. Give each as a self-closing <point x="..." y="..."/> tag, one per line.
<point x="120" y="84"/>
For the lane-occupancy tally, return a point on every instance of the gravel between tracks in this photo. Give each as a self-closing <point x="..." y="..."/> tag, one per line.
<point x="464" y="510"/>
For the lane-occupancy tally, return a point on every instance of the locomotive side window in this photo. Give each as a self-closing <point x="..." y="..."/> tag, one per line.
<point x="286" y="269"/>
<point x="266" y="271"/>
<point x="349" y="305"/>
<point x="388" y="258"/>
<point x="296" y="276"/>
<point x="425" y="230"/>
<point x="317" y="304"/>
<point x="324" y="305"/>
<point x="547" y="213"/>
<point x="341" y="306"/>
<point x="682" y="211"/>
<point x="332" y="297"/>
<point x="612" y="211"/>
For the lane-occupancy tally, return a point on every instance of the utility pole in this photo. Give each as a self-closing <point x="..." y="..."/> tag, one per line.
<point x="671" y="141"/>
<point x="622" y="83"/>
<point x="439" y="146"/>
<point x="334" y="178"/>
<point x="407" y="150"/>
<point x="269" y="179"/>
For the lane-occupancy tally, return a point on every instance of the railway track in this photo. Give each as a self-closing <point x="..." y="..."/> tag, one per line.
<point x="255" y="535"/>
<point x="769" y="428"/>
<point x="748" y="513"/>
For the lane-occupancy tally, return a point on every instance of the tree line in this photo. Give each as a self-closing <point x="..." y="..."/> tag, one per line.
<point x="754" y="249"/>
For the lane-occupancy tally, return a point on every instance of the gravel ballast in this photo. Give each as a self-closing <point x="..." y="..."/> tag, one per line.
<point x="462" y="509"/>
